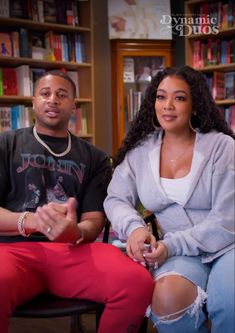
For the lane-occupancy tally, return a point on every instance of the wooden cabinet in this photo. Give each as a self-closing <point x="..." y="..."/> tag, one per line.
<point x="210" y="48"/>
<point x="81" y="68"/>
<point x="133" y="63"/>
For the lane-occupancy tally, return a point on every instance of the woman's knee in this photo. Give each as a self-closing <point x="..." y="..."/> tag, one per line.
<point x="172" y="295"/>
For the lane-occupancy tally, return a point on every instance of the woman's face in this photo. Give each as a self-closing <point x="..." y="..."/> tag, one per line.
<point x="173" y="104"/>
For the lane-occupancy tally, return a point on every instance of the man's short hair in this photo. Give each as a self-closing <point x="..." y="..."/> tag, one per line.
<point x="59" y="73"/>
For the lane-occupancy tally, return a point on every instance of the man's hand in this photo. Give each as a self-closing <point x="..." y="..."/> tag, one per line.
<point x="58" y="222"/>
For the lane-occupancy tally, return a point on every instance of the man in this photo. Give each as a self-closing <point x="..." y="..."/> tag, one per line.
<point x="46" y="241"/>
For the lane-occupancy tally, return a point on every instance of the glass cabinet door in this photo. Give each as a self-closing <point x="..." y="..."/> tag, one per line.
<point x="134" y="64"/>
<point x="138" y="72"/>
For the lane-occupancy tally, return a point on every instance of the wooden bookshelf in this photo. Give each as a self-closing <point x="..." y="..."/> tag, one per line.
<point x="226" y="32"/>
<point x="84" y="69"/>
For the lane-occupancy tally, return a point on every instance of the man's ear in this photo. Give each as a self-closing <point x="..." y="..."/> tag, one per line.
<point x="33" y="99"/>
<point x="74" y="106"/>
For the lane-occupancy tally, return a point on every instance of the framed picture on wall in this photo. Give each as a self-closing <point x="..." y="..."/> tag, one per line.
<point x="138" y="19"/>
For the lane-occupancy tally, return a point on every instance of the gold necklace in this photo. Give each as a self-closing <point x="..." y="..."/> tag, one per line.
<point x="67" y="150"/>
<point x="180" y="155"/>
<point x="174" y="160"/>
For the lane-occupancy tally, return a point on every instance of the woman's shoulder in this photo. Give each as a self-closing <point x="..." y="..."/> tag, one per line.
<point x="215" y="138"/>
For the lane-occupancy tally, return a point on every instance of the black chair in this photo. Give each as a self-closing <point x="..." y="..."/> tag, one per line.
<point x="50" y="306"/>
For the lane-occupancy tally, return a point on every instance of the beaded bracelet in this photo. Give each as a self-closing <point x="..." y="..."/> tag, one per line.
<point x="20" y="224"/>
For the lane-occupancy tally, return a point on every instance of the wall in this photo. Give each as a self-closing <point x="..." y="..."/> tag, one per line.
<point x="102" y="75"/>
<point x="177" y="7"/>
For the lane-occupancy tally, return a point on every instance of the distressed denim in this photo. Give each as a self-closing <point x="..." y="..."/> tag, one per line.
<point x="215" y="285"/>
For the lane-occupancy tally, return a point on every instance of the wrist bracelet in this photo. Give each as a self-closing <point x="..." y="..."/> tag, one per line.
<point x="20" y="224"/>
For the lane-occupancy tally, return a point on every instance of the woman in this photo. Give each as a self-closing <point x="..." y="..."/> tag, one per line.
<point x="178" y="160"/>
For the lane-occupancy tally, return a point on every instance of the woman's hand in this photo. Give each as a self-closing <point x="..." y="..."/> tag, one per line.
<point x="136" y="244"/>
<point x="157" y="255"/>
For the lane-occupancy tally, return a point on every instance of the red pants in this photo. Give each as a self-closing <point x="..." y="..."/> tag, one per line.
<point x="96" y="271"/>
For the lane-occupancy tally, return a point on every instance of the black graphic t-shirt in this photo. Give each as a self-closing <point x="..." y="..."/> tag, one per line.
<point x="30" y="176"/>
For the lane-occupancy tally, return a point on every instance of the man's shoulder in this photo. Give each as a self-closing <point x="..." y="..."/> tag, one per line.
<point x="16" y="132"/>
<point x="86" y="146"/>
<point x="15" y="135"/>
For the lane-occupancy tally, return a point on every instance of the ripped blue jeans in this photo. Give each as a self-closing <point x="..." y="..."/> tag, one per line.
<point x="215" y="286"/>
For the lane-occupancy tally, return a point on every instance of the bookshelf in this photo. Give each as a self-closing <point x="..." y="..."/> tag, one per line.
<point x="133" y="63"/>
<point x="211" y="49"/>
<point x="73" y="39"/>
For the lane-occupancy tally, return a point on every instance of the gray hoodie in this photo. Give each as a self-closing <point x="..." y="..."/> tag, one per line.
<point x="204" y="224"/>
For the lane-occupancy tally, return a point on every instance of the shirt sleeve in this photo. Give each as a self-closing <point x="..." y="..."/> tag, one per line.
<point x="120" y="204"/>
<point x="96" y="186"/>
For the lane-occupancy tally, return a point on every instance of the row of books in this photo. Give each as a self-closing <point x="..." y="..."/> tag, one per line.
<point x="78" y="123"/>
<point x="16" y="116"/>
<point x="52" y="11"/>
<point x="19" y="116"/>
<point x="218" y="13"/>
<point x="49" y="46"/>
<point x="229" y="115"/>
<point x="213" y="52"/>
<point x="20" y="80"/>
<point x="222" y="84"/>
<point x="134" y="99"/>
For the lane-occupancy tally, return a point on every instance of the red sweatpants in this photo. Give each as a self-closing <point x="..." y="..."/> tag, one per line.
<point x="95" y="271"/>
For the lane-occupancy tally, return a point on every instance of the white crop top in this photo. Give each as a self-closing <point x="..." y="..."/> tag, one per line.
<point x="177" y="189"/>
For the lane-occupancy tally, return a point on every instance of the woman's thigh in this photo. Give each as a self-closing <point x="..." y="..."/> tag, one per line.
<point x="189" y="267"/>
<point x="221" y="282"/>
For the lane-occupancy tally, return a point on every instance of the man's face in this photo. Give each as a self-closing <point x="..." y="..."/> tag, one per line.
<point x="53" y="103"/>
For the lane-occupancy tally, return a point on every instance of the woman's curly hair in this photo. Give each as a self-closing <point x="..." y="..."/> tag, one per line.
<point x="206" y="116"/>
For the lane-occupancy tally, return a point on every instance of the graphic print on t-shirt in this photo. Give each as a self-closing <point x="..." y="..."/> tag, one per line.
<point x="50" y="178"/>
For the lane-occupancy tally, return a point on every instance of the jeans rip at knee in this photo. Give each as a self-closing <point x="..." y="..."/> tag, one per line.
<point x="193" y="310"/>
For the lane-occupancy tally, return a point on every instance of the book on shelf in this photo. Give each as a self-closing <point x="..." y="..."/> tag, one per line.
<point x="4" y="8"/>
<point x="9" y="81"/>
<point x="218" y="85"/>
<point x="134" y="99"/>
<point x="5" y="118"/>
<point x="78" y="122"/>
<point x="20" y="9"/>
<point x="74" y="76"/>
<point x="61" y="16"/>
<point x="15" y="43"/>
<point x="229" y="82"/>
<point x="15" y="117"/>
<point x="49" y="11"/>
<point x="221" y="11"/>
<point x="69" y="13"/>
<point x="79" y="48"/>
<point x="228" y="112"/>
<point x="128" y="70"/>
<point x="5" y="44"/>
<point x="25" y="45"/>
<point x="1" y="82"/>
<point x="23" y="80"/>
<point x="40" y="8"/>
<point x="213" y="52"/>
<point x="34" y="74"/>
<point x="64" y="47"/>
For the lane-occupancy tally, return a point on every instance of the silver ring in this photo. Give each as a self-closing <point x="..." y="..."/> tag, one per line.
<point x="49" y="230"/>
